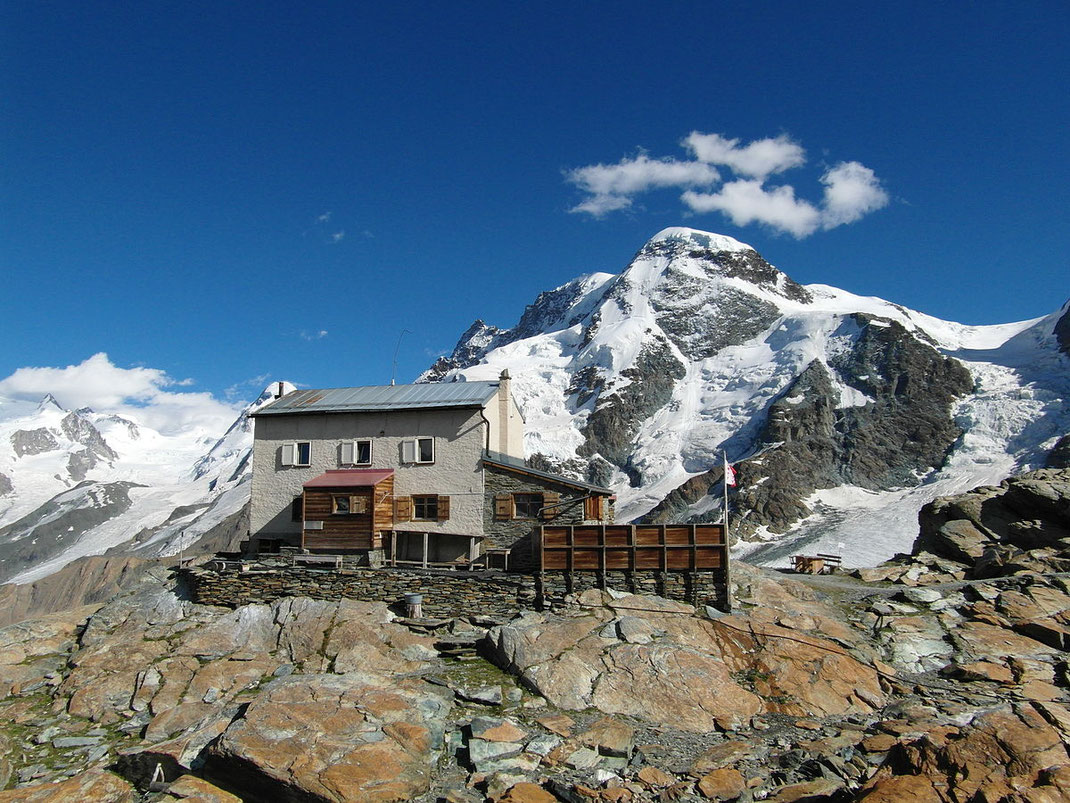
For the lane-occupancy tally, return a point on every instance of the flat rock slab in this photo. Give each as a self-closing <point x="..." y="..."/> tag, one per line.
<point x="333" y="738"/>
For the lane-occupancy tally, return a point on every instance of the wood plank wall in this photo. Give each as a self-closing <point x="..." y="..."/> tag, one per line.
<point x="353" y="531"/>
<point x="667" y="547"/>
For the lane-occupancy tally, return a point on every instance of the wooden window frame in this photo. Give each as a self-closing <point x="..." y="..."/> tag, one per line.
<point x="351" y="453"/>
<point x="411" y="451"/>
<point x="291" y="454"/>
<point x="429" y="505"/>
<point x="533" y="504"/>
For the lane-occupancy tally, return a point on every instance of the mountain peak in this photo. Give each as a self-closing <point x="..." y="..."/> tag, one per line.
<point x="49" y="402"/>
<point x="702" y="239"/>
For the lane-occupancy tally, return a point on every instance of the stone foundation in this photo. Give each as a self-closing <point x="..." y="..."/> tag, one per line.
<point x="493" y="594"/>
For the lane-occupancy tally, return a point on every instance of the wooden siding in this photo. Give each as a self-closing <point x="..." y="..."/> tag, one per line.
<point x="349" y="531"/>
<point x="666" y="547"/>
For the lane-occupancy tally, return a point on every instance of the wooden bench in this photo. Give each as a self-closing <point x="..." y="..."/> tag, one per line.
<point x="816" y="564"/>
<point x="331" y="561"/>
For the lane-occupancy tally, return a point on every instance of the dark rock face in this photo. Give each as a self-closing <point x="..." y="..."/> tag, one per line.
<point x="909" y="427"/>
<point x="615" y="421"/>
<point x="472" y="345"/>
<point x="82" y="431"/>
<point x="700" y="328"/>
<point x="5" y="485"/>
<point x="1062" y="332"/>
<point x="33" y="441"/>
<point x="810" y="442"/>
<point x="1059" y="456"/>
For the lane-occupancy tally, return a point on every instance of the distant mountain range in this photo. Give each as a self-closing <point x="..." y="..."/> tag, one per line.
<point x="843" y="415"/>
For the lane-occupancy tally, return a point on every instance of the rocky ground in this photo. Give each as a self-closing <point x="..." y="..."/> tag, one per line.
<point x="940" y="676"/>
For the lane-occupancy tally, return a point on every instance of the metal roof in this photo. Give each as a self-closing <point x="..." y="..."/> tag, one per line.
<point x="514" y="464"/>
<point x="349" y="478"/>
<point x="373" y="398"/>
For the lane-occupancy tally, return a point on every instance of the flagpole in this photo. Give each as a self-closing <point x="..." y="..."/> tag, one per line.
<point x="727" y="540"/>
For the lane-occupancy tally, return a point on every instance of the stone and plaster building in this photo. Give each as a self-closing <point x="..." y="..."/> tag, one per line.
<point x="426" y="474"/>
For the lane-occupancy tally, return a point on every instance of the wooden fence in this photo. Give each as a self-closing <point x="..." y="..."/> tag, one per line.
<point x="629" y="547"/>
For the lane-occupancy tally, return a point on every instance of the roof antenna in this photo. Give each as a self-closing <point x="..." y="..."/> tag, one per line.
<point x="394" y="369"/>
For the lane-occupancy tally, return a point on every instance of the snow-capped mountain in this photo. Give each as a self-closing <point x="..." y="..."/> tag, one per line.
<point x="844" y="414"/>
<point x="75" y="483"/>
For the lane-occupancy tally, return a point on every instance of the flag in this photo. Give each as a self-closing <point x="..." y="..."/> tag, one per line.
<point x="729" y="474"/>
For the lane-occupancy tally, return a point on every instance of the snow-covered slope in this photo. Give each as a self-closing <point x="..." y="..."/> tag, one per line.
<point x="76" y="483"/>
<point x="699" y="346"/>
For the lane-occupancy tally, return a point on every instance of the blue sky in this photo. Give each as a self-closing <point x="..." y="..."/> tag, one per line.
<point x="225" y="193"/>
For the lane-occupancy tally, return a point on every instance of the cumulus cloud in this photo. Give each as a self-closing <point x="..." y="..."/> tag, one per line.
<point x="748" y="201"/>
<point x="851" y="190"/>
<point x="611" y="186"/>
<point x="138" y="393"/>
<point x="758" y="159"/>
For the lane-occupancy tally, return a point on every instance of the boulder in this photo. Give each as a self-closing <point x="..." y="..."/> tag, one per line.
<point x="333" y="738"/>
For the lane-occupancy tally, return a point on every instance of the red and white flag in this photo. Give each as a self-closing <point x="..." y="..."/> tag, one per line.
<point x="729" y="474"/>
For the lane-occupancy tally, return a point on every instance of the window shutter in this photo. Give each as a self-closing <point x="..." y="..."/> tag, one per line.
<point x="408" y="451"/>
<point x="550" y="499"/>
<point x="347" y="454"/>
<point x="443" y="508"/>
<point x="289" y="454"/>
<point x="503" y="506"/>
<point x="402" y="508"/>
<point x="592" y="509"/>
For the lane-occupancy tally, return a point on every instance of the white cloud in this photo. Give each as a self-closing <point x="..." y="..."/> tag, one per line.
<point x="324" y="218"/>
<point x="611" y="186"/>
<point x="748" y="201"/>
<point x="136" y="393"/>
<point x="851" y="190"/>
<point x="760" y="158"/>
<point x="338" y="236"/>
<point x="318" y="335"/>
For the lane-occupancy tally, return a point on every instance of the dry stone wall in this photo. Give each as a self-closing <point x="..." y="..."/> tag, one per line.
<point x="492" y="594"/>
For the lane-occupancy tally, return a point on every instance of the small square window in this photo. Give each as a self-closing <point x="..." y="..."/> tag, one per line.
<point x="527" y="506"/>
<point x="303" y="453"/>
<point x="425" y="508"/>
<point x="418" y="450"/>
<point x="340" y="504"/>
<point x="356" y="453"/>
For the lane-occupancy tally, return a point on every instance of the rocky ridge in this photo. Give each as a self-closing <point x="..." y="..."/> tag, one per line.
<point x="928" y="678"/>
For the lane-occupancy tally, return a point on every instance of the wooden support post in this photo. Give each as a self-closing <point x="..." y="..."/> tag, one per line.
<point x="425" y="551"/>
<point x="394" y="548"/>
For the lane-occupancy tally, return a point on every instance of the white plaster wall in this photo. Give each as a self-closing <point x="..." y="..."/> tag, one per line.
<point x="459" y="441"/>
<point x="511" y="425"/>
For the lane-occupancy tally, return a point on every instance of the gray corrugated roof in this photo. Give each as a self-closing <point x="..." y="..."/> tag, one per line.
<point x="382" y="397"/>
<point x="507" y="462"/>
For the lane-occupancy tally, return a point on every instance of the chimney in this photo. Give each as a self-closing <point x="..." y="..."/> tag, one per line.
<point x="279" y="392"/>
<point x="504" y="409"/>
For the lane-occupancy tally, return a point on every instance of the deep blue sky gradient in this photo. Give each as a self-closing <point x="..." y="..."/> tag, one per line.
<point x="164" y="165"/>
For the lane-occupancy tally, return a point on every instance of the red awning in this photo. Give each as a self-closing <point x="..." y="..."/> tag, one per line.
<point x="350" y="478"/>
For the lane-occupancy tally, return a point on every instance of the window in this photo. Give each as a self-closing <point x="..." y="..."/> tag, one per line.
<point x="346" y="504"/>
<point x="357" y="453"/>
<point x="425" y="508"/>
<point x="418" y="450"/>
<point x="527" y="506"/>
<point x="297" y="454"/>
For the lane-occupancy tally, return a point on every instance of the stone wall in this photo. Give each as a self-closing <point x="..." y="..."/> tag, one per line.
<point x="693" y="587"/>
<point x="521" y="535"/>
<point x="492" y="594"/>
<point x="446" y="594"/>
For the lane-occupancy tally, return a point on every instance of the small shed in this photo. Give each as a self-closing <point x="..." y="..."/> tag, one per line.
<point x="347" y="510"/>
